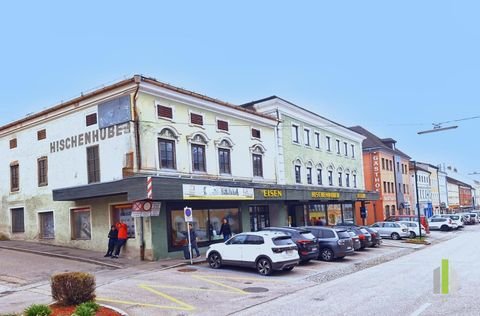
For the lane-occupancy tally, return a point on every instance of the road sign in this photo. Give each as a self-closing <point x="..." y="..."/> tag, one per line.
<point x="187" y="212"/>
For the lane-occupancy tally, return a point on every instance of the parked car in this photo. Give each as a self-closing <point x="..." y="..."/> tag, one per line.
<point x="411" y="218"/>
<point x="467" y="220"/>
<point x="456" y="218"/>
<point x="393" y="230"/>
<point x="306" y="242"/>
<point x="376" y="238"/>
<point x="475" y="218"/>
<point x="357" y="245"/>
<point x="413" y="228"/>
<point x="441" y="223"/>
<point x="265" y="251"/>
<point x="365" y="237"/>
<point x="332" y="243"/>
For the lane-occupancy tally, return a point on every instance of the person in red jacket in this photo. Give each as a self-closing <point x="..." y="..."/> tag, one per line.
<point x="122" y="237"/>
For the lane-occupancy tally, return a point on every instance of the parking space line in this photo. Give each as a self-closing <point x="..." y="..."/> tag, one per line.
<point x="189" y="288"/>
<point x="144" y="304"/>
<point x="238" y="278"/>
<point x="234" y="289"/>
<point x="168" y="297"/>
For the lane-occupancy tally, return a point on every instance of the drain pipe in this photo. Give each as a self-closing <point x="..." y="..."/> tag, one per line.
<point x="138" y="156"/>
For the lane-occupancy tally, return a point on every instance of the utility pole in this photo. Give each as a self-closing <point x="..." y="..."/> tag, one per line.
<point x="418" y="200"/>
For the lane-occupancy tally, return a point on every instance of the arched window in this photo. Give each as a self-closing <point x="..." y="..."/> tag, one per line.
<point x="298" y="171"/>
<point x="330" y="175"/>
<point x="340" y="176"/>
<point x="198" y="143"/>
<point x="320" y="174"/>
<point x="257" y="159"/>
<point x="167" y="138"/>
<point x="224" y="148"/>
<point x="309" y="171"/>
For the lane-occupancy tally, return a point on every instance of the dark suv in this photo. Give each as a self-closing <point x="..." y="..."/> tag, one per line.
<point x="332" y="243"/>
<point x="305" y="240"/>
<point x="365" y="237"/>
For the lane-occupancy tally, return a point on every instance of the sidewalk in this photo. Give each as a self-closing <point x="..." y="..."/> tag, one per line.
<point x="88" y="256"/>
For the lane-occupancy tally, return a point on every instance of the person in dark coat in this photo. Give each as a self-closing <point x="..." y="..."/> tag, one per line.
<point x="193" y="243"/>
<point x="225" y="230"/>
<point x="112" y="240"/>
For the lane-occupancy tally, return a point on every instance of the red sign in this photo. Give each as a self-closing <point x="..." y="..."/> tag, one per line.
<point x="377" y="180"/>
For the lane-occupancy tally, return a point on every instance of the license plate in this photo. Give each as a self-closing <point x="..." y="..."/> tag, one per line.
<point x="348" y="248"/>
<point x="314" y="249"/>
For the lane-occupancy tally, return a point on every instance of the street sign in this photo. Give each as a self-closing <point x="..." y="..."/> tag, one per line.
<point x="187" y="212"/>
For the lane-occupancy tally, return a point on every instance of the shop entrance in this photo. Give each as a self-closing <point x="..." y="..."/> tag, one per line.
<point x="259" y="217"/>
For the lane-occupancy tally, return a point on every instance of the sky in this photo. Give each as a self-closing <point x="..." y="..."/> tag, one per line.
<point x="393" y="67"/>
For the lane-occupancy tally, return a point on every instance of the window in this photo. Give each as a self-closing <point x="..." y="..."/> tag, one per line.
<point x="257" y="165"/>
<point x="345" y="145"/>
<point x="298" y="176"/>
<point x="319" y="177"/>
<point x="42" y="171"/>
<point x="404" y="188"/>
<point x="166" y="153"/>
<point x="330" y="177"/>
<point x="222" y="125"/>
<point x="354" y="180"/>
<point x="317" y="140"/>
<point x="353" y="150"/>
<point x="14" y="177"/>
<point x="340" y="179"/>
<point x="165" y="111"/>
<point x="309" y="175"/>
<point x="93" y="164"/>
<point x="123" y="213"/>
<point x="254" y="240"/>
<point x="338" y="146"/>
<point x="91" y="119"/>
<point x="13" y="143"/>
<point x="198" y="157"/>
<point x="224" y="160"/>
<point x="47" y="225"/>
<point x="259" y="217"/>
<point x="41" y="134"/>
<point x="327" y="139"/>
<point x="400" y="188"/>
<point x="385" y="186"/>
<point x="295" y="134"/>
<point x="306" y="137"/>
<point x="196" y="119"/>
<point x="347" y="180"/>
<point x="383" y="163"/>
<point x="391" y="165"/>
<point x="398" y="166"/>
<point x="256" y="133"/>
<point x="81" y="226"/>
<point x="18" y="220"/>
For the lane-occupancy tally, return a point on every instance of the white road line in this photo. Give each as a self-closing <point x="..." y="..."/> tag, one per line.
<point x="421" y="309"/>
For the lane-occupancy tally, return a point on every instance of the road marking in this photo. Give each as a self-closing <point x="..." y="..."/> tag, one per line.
<point x="190" y="288"/>
<point x="421" y="309"/>
<point x="168" y="297"/>
<point x="143" y="304"/>
<point x="238" y="278"/>
<point x="234" y="289"/>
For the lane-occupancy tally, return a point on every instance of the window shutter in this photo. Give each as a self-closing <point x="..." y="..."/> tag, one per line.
<point x="13" y="143"/>
<point x="196" y="119"/>
<point x="164" y="111"/>
<point x="255" y="133"/>
<point x="222" y="125"/>
<point x="91" y="119"/>
<point x="42" y="134"/>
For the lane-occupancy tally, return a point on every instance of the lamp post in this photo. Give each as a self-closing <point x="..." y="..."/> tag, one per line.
<point x="418" y="201"/>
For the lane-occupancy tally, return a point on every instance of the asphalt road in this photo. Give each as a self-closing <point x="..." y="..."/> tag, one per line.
<point x="400" y="287"/>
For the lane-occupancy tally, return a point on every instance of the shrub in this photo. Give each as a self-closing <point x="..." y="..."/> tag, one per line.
<point x="86" y="309"/>
<point x="38" y="310"/>
<point x="4" y="237"/>
<point x="73" y="288"/>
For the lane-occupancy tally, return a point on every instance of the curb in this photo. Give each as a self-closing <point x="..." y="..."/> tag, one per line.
<point x="118" y="310"/>
<point x="49" y="254"/>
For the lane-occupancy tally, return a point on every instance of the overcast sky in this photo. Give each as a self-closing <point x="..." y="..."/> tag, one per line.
<point x="394" y="67"/>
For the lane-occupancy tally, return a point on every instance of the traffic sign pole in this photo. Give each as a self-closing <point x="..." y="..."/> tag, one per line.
<point x="189" y="243"/>
<point x="188" y="213"/>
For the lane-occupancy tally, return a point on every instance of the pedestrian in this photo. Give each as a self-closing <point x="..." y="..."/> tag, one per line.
<point x="122" y="238"/>
<point x="225" y="230"/>
<point x="193" y="242"/>
<point x="112" y="240"/>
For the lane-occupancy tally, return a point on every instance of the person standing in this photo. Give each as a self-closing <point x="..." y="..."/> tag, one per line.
<point x="122" y="237"/>
<point x="112" y="240"/>
<point x="225" y="230"/>
<point x="193" y="241"/>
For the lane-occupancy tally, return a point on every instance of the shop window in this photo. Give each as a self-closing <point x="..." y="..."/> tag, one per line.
<point x="18" y="220"/>
<point x="198" y="158"/>
<point x="123" y="213"/>
<point x="14" y="177"/>
<point x="93" y="164"/>
<point x="224" y="160"/>
<point x="206" y="222"/>
<point x="80" y="223"/>
<point x="298" y="175"/>
<point x="166" y="148"/>
<point x="47" y="225"/>
<point x="317" y="214"/>
<point x="42" y="171"/>
<point x="334" y="212"/>
<point x="259" y="217"/>
<point x="347" y="211"/>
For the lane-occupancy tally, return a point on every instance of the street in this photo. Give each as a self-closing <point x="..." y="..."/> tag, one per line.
<point x="395" y="279"/>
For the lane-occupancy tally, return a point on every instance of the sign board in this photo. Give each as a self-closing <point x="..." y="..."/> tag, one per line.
<point x="188" y="213"/>
<point x="146" y="208"/>
<point x="211" y="192"/>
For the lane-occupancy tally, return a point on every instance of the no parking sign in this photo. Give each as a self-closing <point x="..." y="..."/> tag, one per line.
<point x="187" y="212"/>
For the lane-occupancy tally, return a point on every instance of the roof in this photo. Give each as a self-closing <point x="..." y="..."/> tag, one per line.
<point x="126" y="82"/>
<point x="372" y="141"/>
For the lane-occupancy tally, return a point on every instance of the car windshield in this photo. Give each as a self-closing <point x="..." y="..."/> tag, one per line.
<point x="283" y="241"/>
<point x="343" y="234"/>
<point x="455" y="217"/>
<point x="473" y="215"/>
<point x="363" y="230"/>
<point x="307" y="235"/>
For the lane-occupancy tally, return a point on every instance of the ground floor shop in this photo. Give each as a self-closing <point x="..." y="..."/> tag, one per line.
<point x="81" y="216"/>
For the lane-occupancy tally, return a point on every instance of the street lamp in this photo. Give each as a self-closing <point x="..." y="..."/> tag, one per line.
<point x="437" y="128"/>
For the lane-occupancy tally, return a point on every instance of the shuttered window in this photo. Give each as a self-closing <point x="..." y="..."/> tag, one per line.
<point x="164" y="111"/>
<point x="255" y="133"/>
<point x="14" y="177"/>
<point x="13" y="143"/>
<point x="91" y="119"/>
<point x="41" y="134"/>
<point x="42" y="166"/>
<point x="196" y="119"/>
<point x="93" y="164"/>
<point x="222" y="125"/>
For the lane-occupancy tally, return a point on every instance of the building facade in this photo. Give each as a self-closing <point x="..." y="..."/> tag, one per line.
<point x="442" y="189"/>
<point x="421" y="186"/>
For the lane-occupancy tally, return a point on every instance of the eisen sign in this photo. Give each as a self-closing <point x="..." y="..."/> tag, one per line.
<point x="90" y="137"/>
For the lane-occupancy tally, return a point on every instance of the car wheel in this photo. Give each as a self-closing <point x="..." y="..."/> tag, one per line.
<point x="326" y="254"/>
<point x="444" y="228"/>
<point x="395" y="236"/>
<point x="413" y="235"/>
<point x="288" y="269"/>
<point x="264" y="266"/>
<point x="214" y="260"/>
